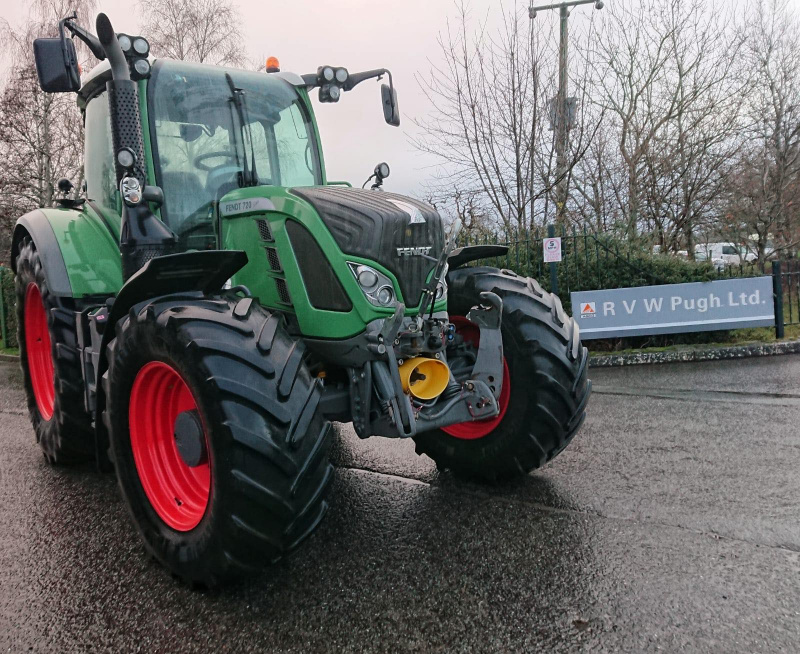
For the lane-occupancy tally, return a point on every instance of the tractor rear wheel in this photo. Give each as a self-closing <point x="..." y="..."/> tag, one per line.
<point x="216" y="433"/>
<point x="51" y="365"/>
<point x="545" y="385"/>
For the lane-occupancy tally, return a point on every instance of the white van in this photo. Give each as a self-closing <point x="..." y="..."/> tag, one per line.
<point x="729" y="254"/>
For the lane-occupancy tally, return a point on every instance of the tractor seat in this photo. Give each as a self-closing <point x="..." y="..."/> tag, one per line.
<point x="185" y="196"/>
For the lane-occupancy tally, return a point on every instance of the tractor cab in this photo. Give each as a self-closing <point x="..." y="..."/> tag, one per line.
<point x="211" y="130"/>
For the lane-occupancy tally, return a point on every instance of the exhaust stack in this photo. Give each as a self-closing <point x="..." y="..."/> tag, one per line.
<point x="142" y="235"/>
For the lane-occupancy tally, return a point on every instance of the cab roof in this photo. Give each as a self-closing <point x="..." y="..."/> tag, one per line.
<point x="95" y="80"/>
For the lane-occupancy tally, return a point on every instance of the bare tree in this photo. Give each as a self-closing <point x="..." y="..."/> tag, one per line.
<point x="41" y="135"/>
<point x="763" y="206"/>
<point x="206" y="31"/>
<point x="488" y="127"/>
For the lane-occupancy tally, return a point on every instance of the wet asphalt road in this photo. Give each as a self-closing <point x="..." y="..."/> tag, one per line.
<point x="672" y="523"/>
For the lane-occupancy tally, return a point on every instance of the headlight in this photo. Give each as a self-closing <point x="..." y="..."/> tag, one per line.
<point x="124" y="42"/>
<point x="341" y="75"/>
<point x="328" y="74"/>
<point x="441" y="291"/>
<point x="131" y="190"/>
<point x="334" y="92"/>
<point x="376" y="286"/>
<point x="385" y="295"/>
<point x="142" y="66"/>
<point x="126" y="158"/>
<point x="367" y="278"/>
<point x="141" y="46"/>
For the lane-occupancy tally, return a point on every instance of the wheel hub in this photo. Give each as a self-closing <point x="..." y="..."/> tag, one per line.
<point x="190" y="440"/>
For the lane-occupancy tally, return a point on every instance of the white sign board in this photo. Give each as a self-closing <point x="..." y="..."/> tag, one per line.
<point x="552" y="250"/>
<point x="675" y="308"/>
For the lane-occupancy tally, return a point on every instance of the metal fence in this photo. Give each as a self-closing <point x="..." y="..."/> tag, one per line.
<point x="786" y="281"/>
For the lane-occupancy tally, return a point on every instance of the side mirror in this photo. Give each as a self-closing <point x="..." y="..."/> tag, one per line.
<point x="391" y="112"/>
<point x="57" y="65"/>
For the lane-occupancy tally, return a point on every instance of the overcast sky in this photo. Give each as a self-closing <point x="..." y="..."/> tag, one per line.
<point x="357" y="34"/>
<point x="360" y="35"/>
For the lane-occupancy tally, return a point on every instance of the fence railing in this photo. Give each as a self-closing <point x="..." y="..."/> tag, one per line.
<point x="8" y="336"/>
<point x="786" y="275"/>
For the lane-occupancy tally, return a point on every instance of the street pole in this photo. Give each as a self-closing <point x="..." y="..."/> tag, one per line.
<point x="562" y="101"/>
<point x="562" y="118"/>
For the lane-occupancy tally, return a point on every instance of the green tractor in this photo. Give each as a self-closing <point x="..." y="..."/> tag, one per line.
<point x="196" y="320"/>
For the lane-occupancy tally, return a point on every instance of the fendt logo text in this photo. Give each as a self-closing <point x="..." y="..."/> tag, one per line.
<point x="421" y="251"/>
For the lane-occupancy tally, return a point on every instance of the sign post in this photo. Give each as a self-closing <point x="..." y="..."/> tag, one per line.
<point x="551" y="247"/>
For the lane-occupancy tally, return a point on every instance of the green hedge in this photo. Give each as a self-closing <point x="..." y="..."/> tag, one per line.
<point x="594" y="262"/>
<point x="8" y="306"/>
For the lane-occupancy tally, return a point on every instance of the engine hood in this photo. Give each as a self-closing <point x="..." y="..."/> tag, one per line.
<point x="396" y="231"/>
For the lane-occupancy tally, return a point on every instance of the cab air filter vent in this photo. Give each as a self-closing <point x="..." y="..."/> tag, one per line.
<point x="264" y="230"/>
<point x="283" y="291"/>
<point x="274" y="259"/>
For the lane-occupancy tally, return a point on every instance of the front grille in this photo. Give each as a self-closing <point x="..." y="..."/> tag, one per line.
<point x="375" y="226"/>
<point x="283" y="291"/>
<point x="264" y="230"/>
<point x="274" y="259"/>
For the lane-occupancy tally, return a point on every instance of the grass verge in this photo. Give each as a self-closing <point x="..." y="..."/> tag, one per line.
<point x="749" y="336"/>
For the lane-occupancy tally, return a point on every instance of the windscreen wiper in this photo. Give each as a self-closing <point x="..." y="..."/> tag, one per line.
<point x="249" y="176"/>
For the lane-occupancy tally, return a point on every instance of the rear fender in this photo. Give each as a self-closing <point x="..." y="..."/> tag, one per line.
<point x="36" y="225"/>
<point x="79" y="253"/>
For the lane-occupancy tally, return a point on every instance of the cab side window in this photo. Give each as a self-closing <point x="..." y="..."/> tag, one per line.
<point x="294" y="148"/>
<point x="101" y="181"/>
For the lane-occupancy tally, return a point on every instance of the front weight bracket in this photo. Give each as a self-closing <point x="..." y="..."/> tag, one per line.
<point x="489" y="362"/>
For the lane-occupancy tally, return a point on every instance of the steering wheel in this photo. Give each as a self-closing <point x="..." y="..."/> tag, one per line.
<point x="200" y="159"/>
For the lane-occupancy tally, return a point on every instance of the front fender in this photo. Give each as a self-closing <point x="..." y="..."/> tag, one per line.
<point x="462" y="255"/>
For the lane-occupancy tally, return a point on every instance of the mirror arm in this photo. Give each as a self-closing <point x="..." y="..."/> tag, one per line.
<point x="357" y="78"/>
<point x="310" y="80"/>
<point x="90" y="40"/>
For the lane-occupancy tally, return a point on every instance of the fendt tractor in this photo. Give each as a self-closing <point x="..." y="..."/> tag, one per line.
<point x="196" y="317"/>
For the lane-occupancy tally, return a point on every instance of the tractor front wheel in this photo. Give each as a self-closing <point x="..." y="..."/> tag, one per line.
<point x="545" y="386"/>
<point x="216" y="434"/>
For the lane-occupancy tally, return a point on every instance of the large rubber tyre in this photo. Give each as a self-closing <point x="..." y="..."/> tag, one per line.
<point x="549" y="388"/>
<point x="267" y="442"/>
<point x="63" y="427"/>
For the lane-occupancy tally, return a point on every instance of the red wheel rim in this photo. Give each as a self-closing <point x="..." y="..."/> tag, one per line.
<point x="178" y="493"/>
<point x="479" y="428"/>
<point x="40" y="356"/>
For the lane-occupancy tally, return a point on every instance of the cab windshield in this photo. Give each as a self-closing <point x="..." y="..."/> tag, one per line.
<point x="202" y="150"/>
